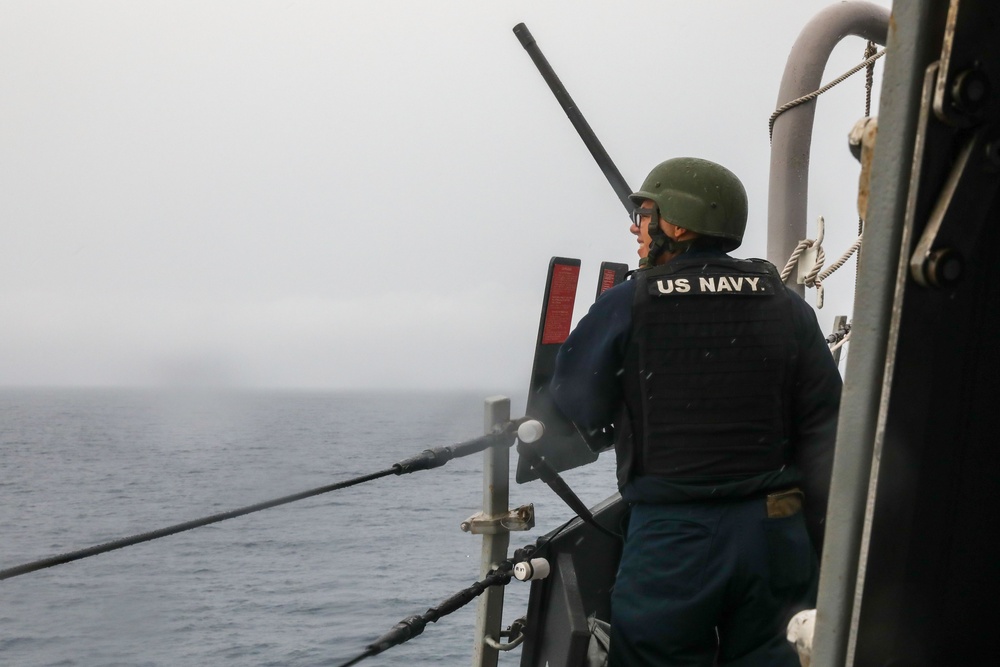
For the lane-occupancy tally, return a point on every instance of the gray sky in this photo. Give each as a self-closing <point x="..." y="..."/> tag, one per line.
<point x="359" y="193"/>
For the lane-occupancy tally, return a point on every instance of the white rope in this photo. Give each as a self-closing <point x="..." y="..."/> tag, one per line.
<point x="815" y="277"/>
<point x="816" y="274"/>
<point x="843" y="259"/>
<point x="816" y="93"/>
<point x="794" y="259"/>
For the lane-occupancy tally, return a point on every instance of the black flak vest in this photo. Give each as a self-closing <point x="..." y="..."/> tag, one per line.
<point x="707" y="371"/>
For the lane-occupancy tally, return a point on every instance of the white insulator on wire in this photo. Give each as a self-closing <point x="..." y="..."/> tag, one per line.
<point x="536" y="568"/>
<point x="800" y="634"/>
<point x="530" y="431"/>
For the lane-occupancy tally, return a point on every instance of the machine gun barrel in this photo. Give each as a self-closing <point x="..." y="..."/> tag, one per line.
<point x="611" y="172"/>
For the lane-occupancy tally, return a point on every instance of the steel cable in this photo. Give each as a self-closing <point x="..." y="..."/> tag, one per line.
<point x="426" y="460"/>
<point x="180" y="527"/>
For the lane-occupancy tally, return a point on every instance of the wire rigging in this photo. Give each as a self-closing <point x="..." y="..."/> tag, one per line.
<point x="411" y="626"/>
<point x="839" y="337"/>
<point x="426" y="460"/>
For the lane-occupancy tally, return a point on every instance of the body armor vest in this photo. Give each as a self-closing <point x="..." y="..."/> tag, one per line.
<point x="708" y="371"/>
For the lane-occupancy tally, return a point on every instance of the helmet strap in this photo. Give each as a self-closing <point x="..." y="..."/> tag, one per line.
<point x="660" y="243"/>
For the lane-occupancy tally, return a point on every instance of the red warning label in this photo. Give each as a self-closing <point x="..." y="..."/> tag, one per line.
<point x="559" y="309"/>
<point x="607" y="280"/>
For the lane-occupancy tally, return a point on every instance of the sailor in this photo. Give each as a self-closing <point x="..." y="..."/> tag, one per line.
<point x="722" y="396"/>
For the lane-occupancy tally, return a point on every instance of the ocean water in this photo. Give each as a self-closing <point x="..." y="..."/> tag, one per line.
<point x="309" y="583"/>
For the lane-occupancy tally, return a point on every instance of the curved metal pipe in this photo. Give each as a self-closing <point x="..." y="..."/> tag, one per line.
<point x="792" y="137"/>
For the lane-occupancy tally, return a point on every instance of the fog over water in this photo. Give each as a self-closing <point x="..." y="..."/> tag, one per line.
<point x="359" y="194"/>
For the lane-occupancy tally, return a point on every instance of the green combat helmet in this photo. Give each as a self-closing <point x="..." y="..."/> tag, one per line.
<point x="698" y="195"/>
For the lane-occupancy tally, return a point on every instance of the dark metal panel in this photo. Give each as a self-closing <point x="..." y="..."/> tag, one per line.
<point x="929" y="594"/>
<point x="931" y="589"/>
<point x="584" y="562"/>
<point x="913" y="42"/>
